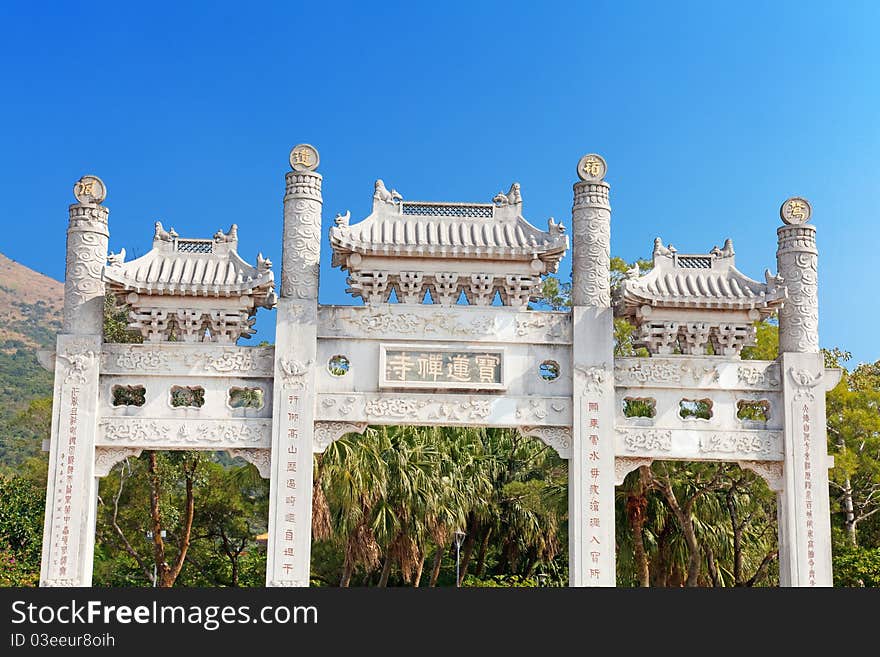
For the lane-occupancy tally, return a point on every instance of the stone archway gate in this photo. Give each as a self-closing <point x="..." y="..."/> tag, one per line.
<point x="337" y="369"/>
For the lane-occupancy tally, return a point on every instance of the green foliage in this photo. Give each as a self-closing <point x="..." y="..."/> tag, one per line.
<point x="500" y="581"/>
<point x="853" y="417"/>
<point x="767" y="347"/>
<point x="116" y="322"/>
<point x="695" y="408"/>
<point x="856" y="566"/>
<point x="555" y="295"/>
<point x="21" y="531"/>
<point x="639" y="407"/>
<point x="231" y="507"/>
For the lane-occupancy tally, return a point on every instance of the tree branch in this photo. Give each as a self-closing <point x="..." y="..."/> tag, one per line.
<point x="114" y="521"/>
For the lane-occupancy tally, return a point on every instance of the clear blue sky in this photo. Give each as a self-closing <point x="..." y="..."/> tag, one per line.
<point x="709" y="115"/>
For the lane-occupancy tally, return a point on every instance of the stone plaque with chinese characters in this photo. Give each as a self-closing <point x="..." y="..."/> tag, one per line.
<point x="441" y="367"/>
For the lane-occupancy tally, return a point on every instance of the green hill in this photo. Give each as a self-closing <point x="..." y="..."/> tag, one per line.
<point x="30" y="316"/>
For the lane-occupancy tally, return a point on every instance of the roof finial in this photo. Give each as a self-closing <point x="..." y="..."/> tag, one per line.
<point x="304" y="157"/>
<point x="592" y="168"/>
<point x="795" y="211"/>
<point x="89" y="190"/>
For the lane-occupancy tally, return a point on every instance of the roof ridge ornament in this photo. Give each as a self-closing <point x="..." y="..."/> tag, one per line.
<point x="230" y="236"/>
<point x="512" y="197"/>
<point x="163" y="235"/>
<point x="382" y="194"/>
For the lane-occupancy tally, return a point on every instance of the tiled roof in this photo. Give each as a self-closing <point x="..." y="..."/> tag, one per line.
<point x="463" y="230"/>
<point x="699" y="281"/>
<point x="195" y="267"/>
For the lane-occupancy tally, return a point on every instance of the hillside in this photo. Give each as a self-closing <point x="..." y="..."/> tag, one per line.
<point x="30" y="316"/>
<point x="30" y="307"/>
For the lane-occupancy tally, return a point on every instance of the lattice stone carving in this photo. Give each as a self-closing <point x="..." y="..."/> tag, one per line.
<point x="445" y="289"/>
<point x="696" y="338"/>
<point x="410" y="287"/>
<point x="191" y="325"/>
<point x="519" y="290"/>
<point x="483" y="211"/>
<point x="481" y="289"/>
<point x="729" y="339"/>
<point x="658" y="337"/>
<point x="372" y="286"/>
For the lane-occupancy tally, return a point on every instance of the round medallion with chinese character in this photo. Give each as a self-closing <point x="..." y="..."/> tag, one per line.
<point x="304" y="157"/>
<point x="89" y="189"/>
<point x="591" y="167"/>
<point x="795" y="211"/>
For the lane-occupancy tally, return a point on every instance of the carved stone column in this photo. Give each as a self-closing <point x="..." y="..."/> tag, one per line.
<point x="69" y="526"/>
<point x="591" y="467"/>
<point x="290" y="502"/>
<point x="591" y="227"/>
<point x="796" y="260"/>
<point x="803" y="505"/>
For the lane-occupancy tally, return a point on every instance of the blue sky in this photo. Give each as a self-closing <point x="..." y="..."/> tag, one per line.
<point x="709" y="115"/>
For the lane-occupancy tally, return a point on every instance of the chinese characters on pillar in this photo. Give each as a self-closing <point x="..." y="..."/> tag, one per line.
<point x="64" y="484"/>
<point x="288" y="476"/>
<point x="593" y="470"/>
<point x="808" y="496"/>
<point x="447" y="369"/>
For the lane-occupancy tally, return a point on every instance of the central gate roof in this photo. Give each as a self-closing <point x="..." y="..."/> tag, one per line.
<point x="427" y="239"/>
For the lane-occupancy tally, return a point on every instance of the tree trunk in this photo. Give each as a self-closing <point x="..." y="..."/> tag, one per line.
<point x="850" y="516"/>
<point x="189" y="514"/>
<point x="386" y="572"/>
<point x="481" y="558"/>
<point x="686" y="525"/>
<point x="636" y="510"/>
<point x="663" y="560"/>
<point x="690" y="538"/>
<point x="162" y="567"/>
<point x="438" y="561"/>
<point x="420" y="570"/>
<point x="347" y="571"/>
<point x="737" y="538"/>
<point x="713" y="569"/>
<point x="468" y="548"/>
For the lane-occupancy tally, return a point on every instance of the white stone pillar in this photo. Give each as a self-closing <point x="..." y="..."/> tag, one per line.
<point x="69" y="526"/>
<point x="290" y="502"/>
<point x="591" y="467"/>
<point x="803" y="505"/>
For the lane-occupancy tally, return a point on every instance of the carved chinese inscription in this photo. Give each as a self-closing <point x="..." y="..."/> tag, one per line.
<point x="441" y="368"/>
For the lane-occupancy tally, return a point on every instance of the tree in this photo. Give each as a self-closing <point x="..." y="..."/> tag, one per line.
<point x="21" y="531"/>
<point x="853" y="409"/>
<point x="153" y="478"/>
